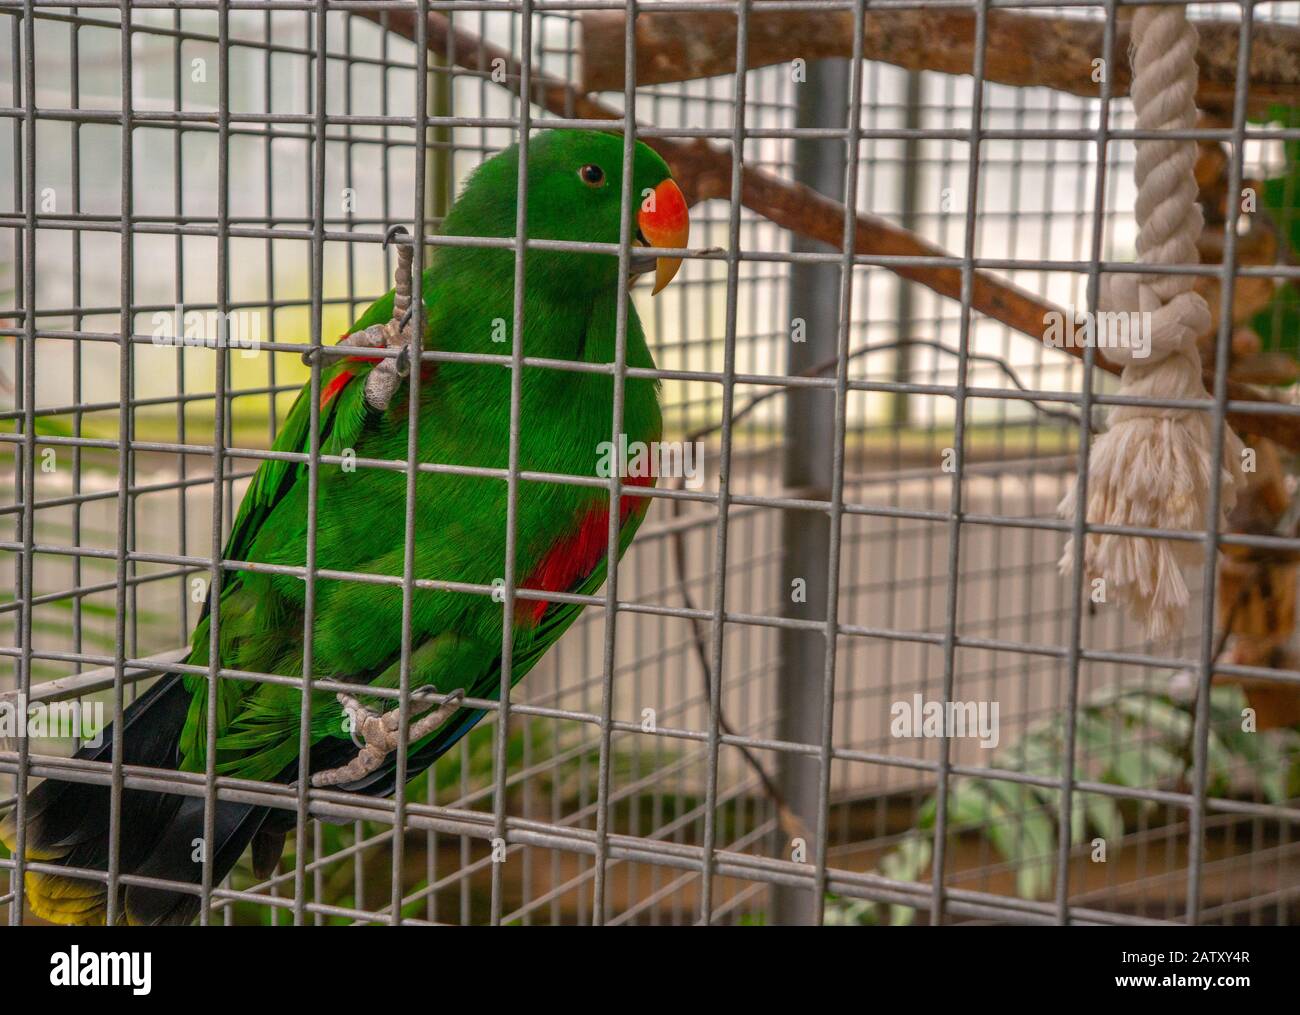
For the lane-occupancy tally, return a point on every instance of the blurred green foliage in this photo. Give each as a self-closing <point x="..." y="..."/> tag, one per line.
<point x="1139" y="739"/>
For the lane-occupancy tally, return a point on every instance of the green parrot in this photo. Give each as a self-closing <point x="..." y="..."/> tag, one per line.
<point x="569" y="310"/>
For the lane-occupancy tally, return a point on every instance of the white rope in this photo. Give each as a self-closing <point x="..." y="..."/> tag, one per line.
<point x="1151" y="468"/>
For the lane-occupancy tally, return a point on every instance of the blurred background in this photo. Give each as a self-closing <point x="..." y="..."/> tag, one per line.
<point x="1034" y="214"/>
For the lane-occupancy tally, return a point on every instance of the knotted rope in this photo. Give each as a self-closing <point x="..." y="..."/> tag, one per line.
<point x="1152" y="467"/>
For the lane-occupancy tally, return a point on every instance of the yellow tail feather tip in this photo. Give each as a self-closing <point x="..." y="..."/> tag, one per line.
<point x="65" y="900"/>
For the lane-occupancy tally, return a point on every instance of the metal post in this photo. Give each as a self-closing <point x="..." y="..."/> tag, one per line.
<point x="809" y="432"/>
<point x="909" y="219"/>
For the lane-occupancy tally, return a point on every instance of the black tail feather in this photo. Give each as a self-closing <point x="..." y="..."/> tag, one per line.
<point x="161" y="834"/>
<point x="177" y="855"/>
<point x="72" y="815"/>
<point x="68" y="824"/>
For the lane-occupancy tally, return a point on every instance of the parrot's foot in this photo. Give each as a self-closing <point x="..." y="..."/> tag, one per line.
<point x="382" y="381"/>
<point x="379" y="736"/>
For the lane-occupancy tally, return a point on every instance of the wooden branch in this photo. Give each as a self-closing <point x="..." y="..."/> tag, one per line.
<point x="1023" y="49"/>
<point x="703" y="171"/>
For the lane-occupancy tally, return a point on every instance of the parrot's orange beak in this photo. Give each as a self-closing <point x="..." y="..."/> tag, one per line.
<point x="663" y="222"/>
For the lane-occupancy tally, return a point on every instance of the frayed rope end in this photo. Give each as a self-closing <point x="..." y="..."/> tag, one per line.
<point x="1151" y="472"/>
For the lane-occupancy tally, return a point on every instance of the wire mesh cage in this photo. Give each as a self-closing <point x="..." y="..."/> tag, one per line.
<point x="888" y="202"/>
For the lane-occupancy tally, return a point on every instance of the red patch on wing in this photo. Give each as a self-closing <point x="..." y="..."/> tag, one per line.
<point x="337" y="383"/>
<point x="577" y="555"/>
<point x="341" y="379"/>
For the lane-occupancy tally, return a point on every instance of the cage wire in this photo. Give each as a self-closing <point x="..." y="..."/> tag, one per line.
<point x="879" y="488"/>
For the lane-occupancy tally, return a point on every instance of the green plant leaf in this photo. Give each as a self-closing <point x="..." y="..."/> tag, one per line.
<point x="1104" y="816"/>
<point x="1157" y="713"/>
<point x="1131" y="738"/>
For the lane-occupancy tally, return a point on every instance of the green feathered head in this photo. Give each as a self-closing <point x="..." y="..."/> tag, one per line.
<point x="575" y="182"/>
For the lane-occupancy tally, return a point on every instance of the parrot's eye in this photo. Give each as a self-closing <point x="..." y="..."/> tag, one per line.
<point x="592" y="175"/>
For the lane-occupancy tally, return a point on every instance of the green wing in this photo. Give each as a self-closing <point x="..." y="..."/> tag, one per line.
<point x="341" y="420"/>
<point x="342" y="417"/>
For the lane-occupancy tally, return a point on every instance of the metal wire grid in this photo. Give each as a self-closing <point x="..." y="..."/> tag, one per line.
<point x="706" y="848"/>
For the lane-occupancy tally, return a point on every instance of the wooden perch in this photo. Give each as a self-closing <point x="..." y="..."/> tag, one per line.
<point x="1023" y="49"/>
<point x="703" y="171"/>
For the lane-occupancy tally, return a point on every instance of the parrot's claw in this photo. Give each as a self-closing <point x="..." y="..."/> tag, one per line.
<point x="393" y="234"/>
<point x="385" y="377"/>
<point x="379" y="736"/>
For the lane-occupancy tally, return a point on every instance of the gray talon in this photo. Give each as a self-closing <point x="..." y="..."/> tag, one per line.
<point x="393" y="233"/>
<point x="378" y="735"/>
<point x="385" y="377"/>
